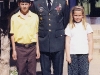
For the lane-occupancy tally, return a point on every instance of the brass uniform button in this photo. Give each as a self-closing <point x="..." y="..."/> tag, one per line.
<point x="40" y="18"/>
<point x="49" y="13"/>
<point x="49" y="30"/>
<point x="49" y="24"/>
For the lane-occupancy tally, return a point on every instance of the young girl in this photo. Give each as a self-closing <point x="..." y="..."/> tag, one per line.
<point x="79" y="43"/>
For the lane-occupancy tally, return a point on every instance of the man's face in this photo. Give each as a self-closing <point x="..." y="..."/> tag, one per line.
<point x="24" y="6"/>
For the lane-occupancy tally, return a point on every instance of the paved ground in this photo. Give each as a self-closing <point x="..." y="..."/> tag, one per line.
<point x="94" y="65"/>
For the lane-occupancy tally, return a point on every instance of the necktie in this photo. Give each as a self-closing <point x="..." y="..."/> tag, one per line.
<point x="49" y="4"/>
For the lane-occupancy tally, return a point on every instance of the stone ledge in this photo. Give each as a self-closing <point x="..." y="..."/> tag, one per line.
<point x="95" y="25"/>
<point x="96" y="29"/>
<point x="96" y="37"/>
<point x="97" y="47"/>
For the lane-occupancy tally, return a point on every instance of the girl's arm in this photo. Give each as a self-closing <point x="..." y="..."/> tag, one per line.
<point x="90" y="43"/>
<point x="67" y="47"/>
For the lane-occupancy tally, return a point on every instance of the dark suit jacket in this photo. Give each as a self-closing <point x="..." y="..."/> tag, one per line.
<point x="51" y="24"/>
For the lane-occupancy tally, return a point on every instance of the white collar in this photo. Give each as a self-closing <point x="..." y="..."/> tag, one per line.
<point x="80" y="23"/>
<point x="51" y="1"/>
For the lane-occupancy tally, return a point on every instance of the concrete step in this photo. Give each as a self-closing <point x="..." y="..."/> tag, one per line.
<point x="96" y="29"/>
<point x="96" y="36"/>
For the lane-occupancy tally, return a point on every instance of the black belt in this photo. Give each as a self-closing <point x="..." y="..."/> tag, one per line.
<point x="25" y="45"/>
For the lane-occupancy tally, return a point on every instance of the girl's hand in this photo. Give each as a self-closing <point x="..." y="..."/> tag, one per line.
<point x="68" y="59"/>
<point x="14" y="55"/>
<point x="90" y="57"/>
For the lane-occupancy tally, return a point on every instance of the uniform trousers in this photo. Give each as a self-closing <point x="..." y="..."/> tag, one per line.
<point x="26" y="60"/>
<point x="56" y="58"/>
<point x="79" y="65"/>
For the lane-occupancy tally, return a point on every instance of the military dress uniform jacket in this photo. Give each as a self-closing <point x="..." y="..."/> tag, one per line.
<point x="51" y="24"/>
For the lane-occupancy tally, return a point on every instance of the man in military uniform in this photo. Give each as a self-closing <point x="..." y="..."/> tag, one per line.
<point x="53" y="17"/>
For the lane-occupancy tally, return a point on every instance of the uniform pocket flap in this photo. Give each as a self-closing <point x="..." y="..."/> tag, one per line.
<point x="59" y="33"/>
<point x="42" y="33"/>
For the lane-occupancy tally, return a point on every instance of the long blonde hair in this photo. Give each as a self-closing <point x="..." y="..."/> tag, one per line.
<point x="71" y="21"/>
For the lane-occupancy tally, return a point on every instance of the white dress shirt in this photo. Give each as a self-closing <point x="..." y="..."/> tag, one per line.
<point x="50" y="2"/>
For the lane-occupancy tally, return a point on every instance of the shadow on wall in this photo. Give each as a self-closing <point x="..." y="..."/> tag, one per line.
<point x="93" y="20"/>
<point x="94" y="10"/>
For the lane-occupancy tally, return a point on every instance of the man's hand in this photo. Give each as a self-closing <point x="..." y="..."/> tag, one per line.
<point x="37" y="54"/>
